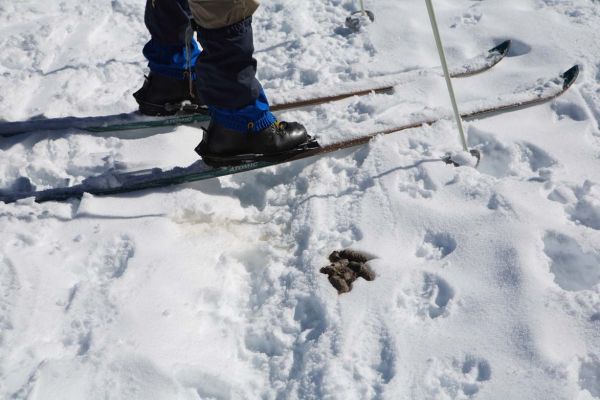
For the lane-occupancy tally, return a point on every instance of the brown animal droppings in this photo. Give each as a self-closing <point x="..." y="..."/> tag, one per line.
<point x="346" y="267"/>
<point x="335" y="256"/>
<point x="353" y="255"/>
<point x="367" y="273"/>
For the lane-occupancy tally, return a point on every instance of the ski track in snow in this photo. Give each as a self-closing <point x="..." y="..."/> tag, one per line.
<point x="488" y="282"/>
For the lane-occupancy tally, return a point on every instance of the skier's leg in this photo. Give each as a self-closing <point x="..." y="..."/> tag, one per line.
<point x="226" y="80"/>
<point x="171" y="54"/>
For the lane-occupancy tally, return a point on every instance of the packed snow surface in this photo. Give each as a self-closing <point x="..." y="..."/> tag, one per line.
<point x="488" y="279"/>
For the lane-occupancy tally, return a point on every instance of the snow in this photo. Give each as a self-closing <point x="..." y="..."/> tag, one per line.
<point x="488" y="279"/>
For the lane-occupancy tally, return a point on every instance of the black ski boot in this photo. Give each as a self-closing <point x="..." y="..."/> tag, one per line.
<point x="222" y="146"/>
<point x="163" y="95"/>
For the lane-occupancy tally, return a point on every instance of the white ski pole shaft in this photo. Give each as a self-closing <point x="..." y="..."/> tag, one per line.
<point x="438" y="42"/>
<point x="362" y="7"/>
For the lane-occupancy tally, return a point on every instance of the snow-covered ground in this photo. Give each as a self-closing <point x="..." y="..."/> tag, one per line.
<point x="488" y="280"/>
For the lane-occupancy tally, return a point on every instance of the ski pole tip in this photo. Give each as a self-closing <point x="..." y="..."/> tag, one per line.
<point x="472" y="158"/>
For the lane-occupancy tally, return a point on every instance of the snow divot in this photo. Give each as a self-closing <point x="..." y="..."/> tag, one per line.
<point x="562" y="194"/>
<point x="114" y="262"/>
<point x="437" y="294"/>
<point x="268" y="343"/>
<point x="427" y="296"/>
<point x="591" y="95"/>
<point x="470" y="17"/>
<point x="503" y="159"/>
<point x="458" y="379"/>
<point x="582" y="203"/>
<point x="440" y="294"/>
<point x="573" y="269"/>
<point x="498" y="202"/>
<point x="384" y="360"/>
<point x="569" y="109"/>
<point x="478" y="368"/>
<point x="387" y="357"/>
<point x="312" y="317"/>
<point x="538" y="160"/>
<point x="587" y="209"/>
<point x="436" y="246"/>
<point x="8" y="291"/>
<point x="418" y="183"/>
<point x="589" y="375"/>
<point x="517" y="48"/>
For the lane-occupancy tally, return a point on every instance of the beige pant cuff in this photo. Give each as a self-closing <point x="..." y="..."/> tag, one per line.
<point x="215" y="14"/>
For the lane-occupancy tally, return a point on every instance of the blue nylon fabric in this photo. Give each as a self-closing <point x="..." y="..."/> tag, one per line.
<point x="253" y="118"/>
<point x="171" y="60"/>
<point x="168" y="22"/>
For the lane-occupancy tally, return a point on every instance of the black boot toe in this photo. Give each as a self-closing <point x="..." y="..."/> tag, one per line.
<point x="222" y="146"/>
<point x="293" y="134"/>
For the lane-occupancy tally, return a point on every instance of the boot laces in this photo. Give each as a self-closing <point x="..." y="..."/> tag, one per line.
<point x="280" y="127"/>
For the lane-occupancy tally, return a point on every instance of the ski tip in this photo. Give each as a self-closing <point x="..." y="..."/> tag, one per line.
<point x="502" y="48"/>
<point x="570" y="76"/>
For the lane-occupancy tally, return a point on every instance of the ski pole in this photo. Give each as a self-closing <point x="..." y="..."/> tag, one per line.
<point x="438" y="42"/>
<point x="362" y="8"/>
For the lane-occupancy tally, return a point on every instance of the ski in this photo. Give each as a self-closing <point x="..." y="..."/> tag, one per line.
<point x="114" y="182"/>
<point x="132" y="121"/>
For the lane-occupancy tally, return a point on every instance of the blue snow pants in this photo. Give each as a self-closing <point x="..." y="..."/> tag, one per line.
<point x="224" y="71"/>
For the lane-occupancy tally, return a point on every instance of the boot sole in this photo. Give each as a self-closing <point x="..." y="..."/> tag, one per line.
<point x="172" y="109"/>
<point x="215" y="160"/>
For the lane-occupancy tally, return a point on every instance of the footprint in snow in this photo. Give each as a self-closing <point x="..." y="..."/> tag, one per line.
<point x="417" y="183"/>
<point x="429" y="297"/>
<point x="511" y="159"/>
<point x="438" y="294"/>
<point x="582" y="203"/>
<point x="112" y="261"/>
<point x="470" y="17"/>
<point x="497" y="202"/>
<point x="567" y="109"/>
<point x="459" y="378"/>
<point x="573" y="268"/>
<point x="436" y="246"/>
